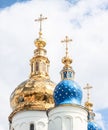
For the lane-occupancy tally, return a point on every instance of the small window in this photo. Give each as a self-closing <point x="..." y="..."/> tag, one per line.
<point x="37" y="66"/>
<point x="65" y="74"/>
<point x="31" y="126"/>
<point x="69" y="74"/>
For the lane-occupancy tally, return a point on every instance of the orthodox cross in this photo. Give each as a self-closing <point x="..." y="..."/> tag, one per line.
<point x="66" y="40"/>
<point x="88" y="87"/>
<point x="40" y="19"/>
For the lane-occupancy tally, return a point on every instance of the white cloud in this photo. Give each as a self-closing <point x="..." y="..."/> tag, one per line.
<point x="99" y="120"/>
<point x="85" y="22"/>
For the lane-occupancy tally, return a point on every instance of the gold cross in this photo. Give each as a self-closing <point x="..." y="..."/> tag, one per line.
<point x="88" y="87"/>
<point x="66" y="40"/>
<point x="40" y="19"/>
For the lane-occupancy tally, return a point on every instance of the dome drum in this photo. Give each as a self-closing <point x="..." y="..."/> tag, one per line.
<point x="67" y="73"/>
<point x="41" y="52"/>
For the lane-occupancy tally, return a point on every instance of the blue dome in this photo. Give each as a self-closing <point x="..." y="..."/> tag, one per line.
<point x="67" y="92"/>
<point x="93" y="126"/>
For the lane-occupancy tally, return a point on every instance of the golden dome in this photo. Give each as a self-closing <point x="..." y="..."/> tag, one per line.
<point x="32" y="94"/>
<point x="36" y="93"/>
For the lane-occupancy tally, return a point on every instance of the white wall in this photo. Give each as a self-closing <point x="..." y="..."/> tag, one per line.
<point x="67" y="117"/>
<point x="22" y="120"/>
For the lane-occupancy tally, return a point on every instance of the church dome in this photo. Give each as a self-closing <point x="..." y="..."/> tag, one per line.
<point x="67" y="92"/>
<point x="33" y="94"/>
<point x="36" y="93"/>
<point x="93" y="126"/>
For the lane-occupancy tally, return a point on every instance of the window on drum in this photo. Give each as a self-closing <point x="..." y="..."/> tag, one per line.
<point x="31" y="126"/>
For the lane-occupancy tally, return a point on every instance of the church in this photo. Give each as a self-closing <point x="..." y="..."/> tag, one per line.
<point x="40" y="104"/>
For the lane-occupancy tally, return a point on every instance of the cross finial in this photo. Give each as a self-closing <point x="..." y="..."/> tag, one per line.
<point x="40" y="19"/>
<point x="66" y="40"/>
<point x="88" y="87"/>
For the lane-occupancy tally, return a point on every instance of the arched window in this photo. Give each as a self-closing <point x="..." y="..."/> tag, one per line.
<point x="37" y="66"/>
<point x="31" y="126"/>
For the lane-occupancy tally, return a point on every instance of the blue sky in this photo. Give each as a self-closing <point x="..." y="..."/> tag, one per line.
<point x="7" y="3"/>
<point x="85" y="21"/>
<point x="104" y="112"/>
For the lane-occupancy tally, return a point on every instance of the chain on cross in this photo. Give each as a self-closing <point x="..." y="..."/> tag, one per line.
<point x="88" y="87"/>
<point x="66" y="40"/>
<point x="40" y="19"/>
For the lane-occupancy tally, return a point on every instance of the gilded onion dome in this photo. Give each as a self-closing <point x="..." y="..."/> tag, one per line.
<point x="36" y="93"/>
